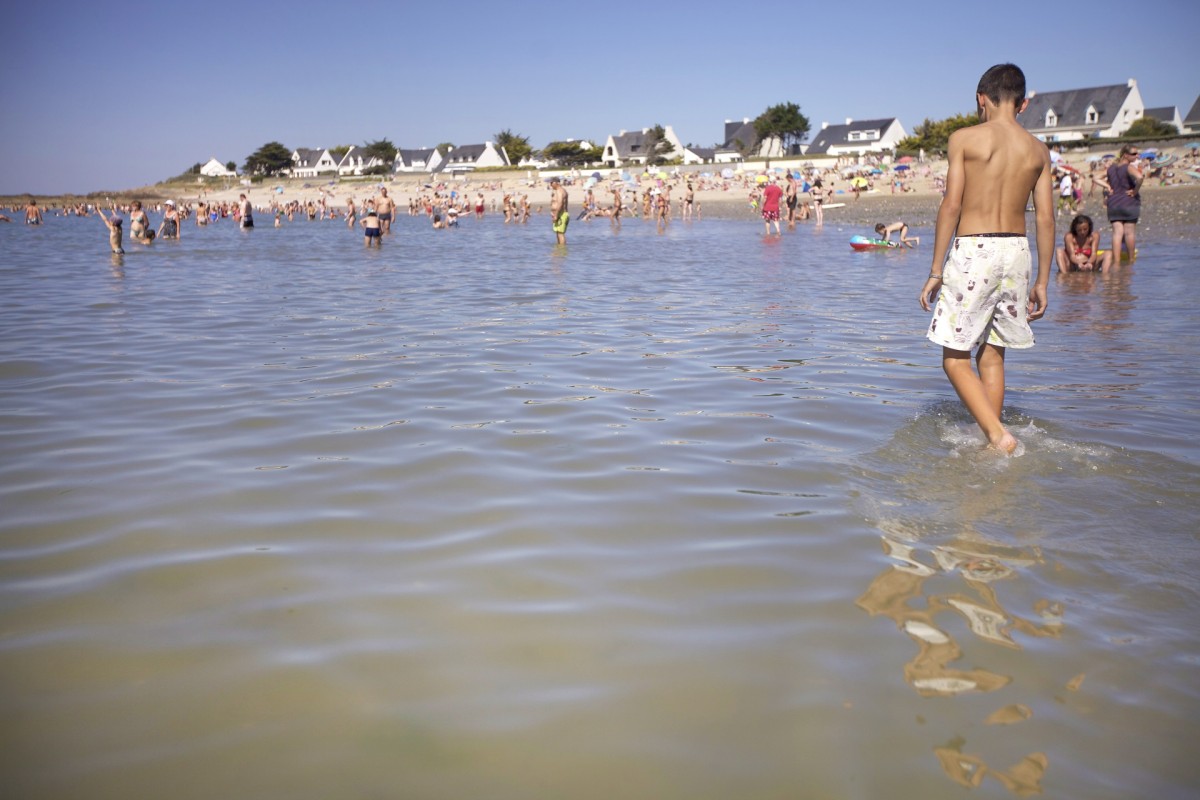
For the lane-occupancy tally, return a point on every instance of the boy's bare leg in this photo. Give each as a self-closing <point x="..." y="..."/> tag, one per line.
<point x="989" y="360"/>
<point x="976" y="397"/>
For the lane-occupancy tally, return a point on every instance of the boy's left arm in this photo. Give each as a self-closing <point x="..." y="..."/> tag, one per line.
<point x="1043" y="205"/>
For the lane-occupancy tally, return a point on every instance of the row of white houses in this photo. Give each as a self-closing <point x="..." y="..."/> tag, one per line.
<point x="1061" y="116"/>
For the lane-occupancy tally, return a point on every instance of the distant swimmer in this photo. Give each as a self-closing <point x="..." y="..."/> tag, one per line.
<point x="560" y="215"/>
<point x="885" y="233"/>
<point x="114" y="230"/>
<point x="247" y="210"/>
<point x="33" y="214"/>
<point x="139" y="224"/>
<point x="169" y="229"/>
<point x="385" y="207"/>
<point x="372" y="232"/>
<point x="981" y="260"/>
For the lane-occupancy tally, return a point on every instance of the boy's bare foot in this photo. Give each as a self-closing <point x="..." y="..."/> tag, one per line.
<point x="1006" y="444"/>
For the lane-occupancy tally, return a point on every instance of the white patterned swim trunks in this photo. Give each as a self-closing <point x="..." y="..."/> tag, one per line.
<point x="985" y="294"/>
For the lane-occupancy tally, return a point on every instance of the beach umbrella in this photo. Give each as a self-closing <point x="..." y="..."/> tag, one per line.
<point x="1192" y="145"/>
<point x="727" y="173"/>
<point x="760" y="178"/>
<point x="662" y="176"/>
<point x="625" y="176"/>
<point x="901" y="167"/>
<point x="1107" y="156"/>
<point x="876" y="171"/>
<point x="1151" y="153"/>
<point x="596" y="175"/>
<point x="1093" y="158"/>
<point x="904" y="160"/>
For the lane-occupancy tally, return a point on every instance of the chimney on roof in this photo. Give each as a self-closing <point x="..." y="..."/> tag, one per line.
<point x="1132" y="82"/>
<point x="622" y="133"/>
<point x="1032" y="94"/>
<point x="824" y="125"/>
<point x="487" y="144"/>
<point x="745" y="120"/>
<point x="849" y="120"/>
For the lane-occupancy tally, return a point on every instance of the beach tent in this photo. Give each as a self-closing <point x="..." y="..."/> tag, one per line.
<point x="727" y="173"/>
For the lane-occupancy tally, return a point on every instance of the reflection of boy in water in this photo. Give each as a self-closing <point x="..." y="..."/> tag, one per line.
<point x="985" y="299"/>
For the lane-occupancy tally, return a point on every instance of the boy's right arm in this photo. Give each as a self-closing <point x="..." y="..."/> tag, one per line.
<point x="947" y="217"/>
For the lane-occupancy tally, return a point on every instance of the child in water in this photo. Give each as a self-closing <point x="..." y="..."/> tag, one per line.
<point x="114" y="231"/>
<point x="371" y="229"/>
<point x="885" y="232"/>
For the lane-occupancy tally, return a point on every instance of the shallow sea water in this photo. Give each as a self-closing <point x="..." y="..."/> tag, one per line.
<point x="680" y="515"/>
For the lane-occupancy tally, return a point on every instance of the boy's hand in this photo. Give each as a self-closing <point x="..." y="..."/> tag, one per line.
<point x="929" y="291"/>
<point x="1037" y="302"/>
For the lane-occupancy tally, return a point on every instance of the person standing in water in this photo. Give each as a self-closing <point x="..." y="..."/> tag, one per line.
<point x="559" y="214"/>
<point x="33" y="214"/>
<point x="1123" y="183"/>
<point x="247" y="212"/>
<point x="114" y="230"/>
<point x="985" y="299"/>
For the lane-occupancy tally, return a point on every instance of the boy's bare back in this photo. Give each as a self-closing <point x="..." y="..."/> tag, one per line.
<point x="1000" y="165"/>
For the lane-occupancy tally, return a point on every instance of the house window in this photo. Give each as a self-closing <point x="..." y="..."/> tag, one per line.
<point x="1093" y="116"/>
<point x="1051" y="119"/>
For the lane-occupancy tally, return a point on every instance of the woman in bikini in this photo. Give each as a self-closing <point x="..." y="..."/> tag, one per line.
<point x="1081" y="248"/>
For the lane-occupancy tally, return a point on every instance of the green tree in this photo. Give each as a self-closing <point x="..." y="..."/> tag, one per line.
<point x="269" y="160"/>
<point x="195" y="170"/>
<point x="229" y="165"/>
<point x="1149" y="127"/>
<point x="339" y="152"/>
<point x="933" y="137"/>
<point x="572" y="154"/>
<point x="515" y="145"/>
<point x="382" y="149"/>
<point x="444" y="147"/>
<point x="657" y="146"/>
<point x="783" y="122"/>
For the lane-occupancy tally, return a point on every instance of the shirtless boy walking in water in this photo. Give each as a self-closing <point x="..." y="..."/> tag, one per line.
<point x="986" y="300"/>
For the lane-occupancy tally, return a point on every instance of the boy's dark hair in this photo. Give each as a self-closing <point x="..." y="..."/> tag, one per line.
<point x="880" y="228"/>
<point x="1003" y="82"/>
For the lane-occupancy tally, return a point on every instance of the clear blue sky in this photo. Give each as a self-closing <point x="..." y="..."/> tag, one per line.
<point x="104" y="96"/>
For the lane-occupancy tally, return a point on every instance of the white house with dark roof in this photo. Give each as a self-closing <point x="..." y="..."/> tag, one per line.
<point x="1191" y="123"/>
<point x="310" y="162"/>
<point x="629" y="147"/>
<point x="469" y="157"/>
<point x="1167" y="114"/>
<point x="215" y="169"/>
<point x="356" y="161"/>
<point x="418" y="160"/>
<point x="857" y="137"/>
<point x="741" y="140"/>
<point x="1075" y="114"/>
